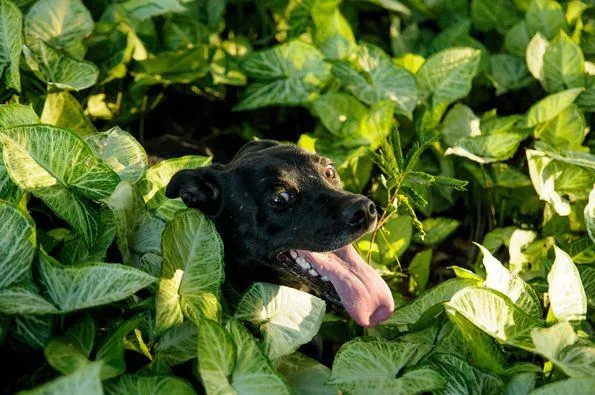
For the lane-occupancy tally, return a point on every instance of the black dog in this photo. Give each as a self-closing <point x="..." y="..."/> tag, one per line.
<point x="279" y="207"/>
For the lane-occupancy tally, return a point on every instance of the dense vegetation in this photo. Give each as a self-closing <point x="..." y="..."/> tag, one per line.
<point x="465" y="121"/>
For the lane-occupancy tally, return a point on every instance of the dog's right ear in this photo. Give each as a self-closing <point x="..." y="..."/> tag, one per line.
<point x="199" y="188"/>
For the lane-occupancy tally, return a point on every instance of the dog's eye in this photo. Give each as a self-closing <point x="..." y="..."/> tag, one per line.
<point x="330" y="172"/>
<point x="281" y="199"/>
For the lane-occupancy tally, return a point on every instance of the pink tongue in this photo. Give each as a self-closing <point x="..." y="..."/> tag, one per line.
<point x="363" y="293"/>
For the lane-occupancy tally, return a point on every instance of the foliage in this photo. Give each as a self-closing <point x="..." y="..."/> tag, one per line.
<point x="467" y="121"/>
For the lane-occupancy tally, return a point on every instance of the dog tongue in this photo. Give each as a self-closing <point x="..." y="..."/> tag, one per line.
<point x="363" y="293"/>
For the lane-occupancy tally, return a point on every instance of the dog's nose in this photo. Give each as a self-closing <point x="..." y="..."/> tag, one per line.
<point x="360" y="211"/>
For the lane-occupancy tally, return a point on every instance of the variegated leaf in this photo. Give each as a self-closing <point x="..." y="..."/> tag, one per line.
<point x="34" y="157"/>
<point x="17" y="245"/>
<point x="286" y="317"/>
<point x="121" y="152"/>
<point x="77" y="287"/>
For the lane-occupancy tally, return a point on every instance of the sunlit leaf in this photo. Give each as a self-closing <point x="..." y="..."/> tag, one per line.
<point x="286" y="317"/>
<point x="566" y="292"/>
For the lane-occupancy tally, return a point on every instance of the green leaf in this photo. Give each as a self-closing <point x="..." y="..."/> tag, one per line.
<point x="63" y="110"/>
<point x="412" y="312"/>
<point x="305" y="376"/>
<point x="488" y="148"/>
<point x="563" y="64"/>
<point x="579" y="158"/>
<point x="288" y="74"/>
<point x="495" y="314"/>
<point x="17" y="245"/>
<point x="535" y="52"/>
<point x="506" y="176"/>
<point x="84" y="381"/>
<point x="391" y="241"/>
<point x="546" y="17"/>
<point x="82" y="333"/>
<point x="14" y="114"/>
<point x="191" y="244"/>
<point x="565" y="131"/>
<point x="589" y="214"/>
<point x="582" y="250"/>
<point x="378" y="366"/>
<point x="437" y="230"/>
<point x="137" y="230"/>
<point x="80" y="286"/>
<point x="332" y="33"/>
<point x="120" y="151"/>
<point x="65" y="356"/>
<point x="63" y="72"/>
<point x="340" y="113"/>
<point x="419" y="271"/>
<point x="145" y="9"/>
<point x="34" y="157"/>
<point x="508" y="72"/>
<point x="149" y="385"/>
<point x="521" y="384"/>
<point x="171" y="67"/>
<point x="543" y="185"/>
<point x="23" y="301"/>
<point x="517" y="39"/>
<point x="167" y="303"/>
<point x="486" y="353"/>
<point x="459" y="122"/>
<point x="447" y="75"/>
<point x="178" y="344"/>
<point x="74" y="250"/>
<point x="62" y="24"/>
<point x="252" y="373"/>
<point x="152" y="185"/>
<point x="561" y="345"/>
<point x="111" y="351"/>
<point x="501" y="280"/>
<point x="550" y="106"/>
<point x="488" y="15"/>
<point x="218" y="356"/>
<point x="11" y="39"/>
<point x="286" y="317"/>
<point x="462" y="378"/>
<point x="374" y="77"/>
<point x="33" y="330"/>
<point x="567" y="295"/>
<point x="569" y="386"/>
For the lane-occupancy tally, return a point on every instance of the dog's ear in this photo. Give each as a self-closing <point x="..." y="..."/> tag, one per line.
<point x="254" y="146"/>
<point x="199" y="188"/>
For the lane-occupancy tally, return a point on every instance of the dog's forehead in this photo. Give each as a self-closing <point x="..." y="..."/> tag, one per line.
<point x="284" y="164"/>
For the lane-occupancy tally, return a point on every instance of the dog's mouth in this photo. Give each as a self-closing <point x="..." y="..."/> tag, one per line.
<point x="343" y="275"/>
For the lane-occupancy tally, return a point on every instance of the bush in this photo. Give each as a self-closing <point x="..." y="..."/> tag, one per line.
<point x="466" y="121"/>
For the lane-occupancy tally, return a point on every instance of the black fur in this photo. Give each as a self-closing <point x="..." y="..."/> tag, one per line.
<point x="240" y="198"/>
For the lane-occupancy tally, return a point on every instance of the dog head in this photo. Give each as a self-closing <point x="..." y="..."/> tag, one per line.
<point x="284" y="218"/>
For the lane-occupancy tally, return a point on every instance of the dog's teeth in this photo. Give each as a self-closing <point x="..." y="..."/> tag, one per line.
<point x="313" y="272"/>
<point x="324" y="278"/>
<point x="293" y="254"/>
<point x="302" y="263"/>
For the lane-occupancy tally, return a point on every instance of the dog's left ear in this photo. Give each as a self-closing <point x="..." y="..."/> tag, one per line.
<point x="254" y="146"/>
<point x="199" y="188"/>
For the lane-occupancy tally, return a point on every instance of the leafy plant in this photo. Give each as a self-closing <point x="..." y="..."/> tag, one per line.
<point x="466" y="121"/>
